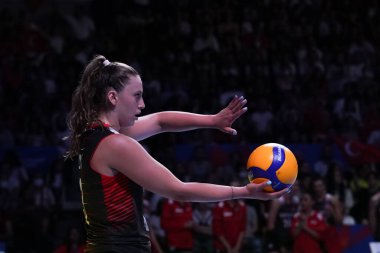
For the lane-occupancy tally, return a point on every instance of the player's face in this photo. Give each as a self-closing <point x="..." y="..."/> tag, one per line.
<point x="130" y="101"/>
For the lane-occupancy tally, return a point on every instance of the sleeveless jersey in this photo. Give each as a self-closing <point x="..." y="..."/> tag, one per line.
<point x="112" y="205"/>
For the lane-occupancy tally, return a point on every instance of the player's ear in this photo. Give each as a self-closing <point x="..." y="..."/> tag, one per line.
<point x="112" y="97"/>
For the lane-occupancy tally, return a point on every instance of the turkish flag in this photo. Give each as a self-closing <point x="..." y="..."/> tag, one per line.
<point x="357" y="152"/>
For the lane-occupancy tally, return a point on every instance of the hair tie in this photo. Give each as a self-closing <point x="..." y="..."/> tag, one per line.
<point x="106" y="62"/>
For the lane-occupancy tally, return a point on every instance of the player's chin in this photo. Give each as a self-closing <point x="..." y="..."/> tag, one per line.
<point x="128" y="123"/>
<point x="132" y="121"/>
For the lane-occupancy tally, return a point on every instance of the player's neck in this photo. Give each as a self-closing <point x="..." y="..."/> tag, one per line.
<point x="109" y="120"/>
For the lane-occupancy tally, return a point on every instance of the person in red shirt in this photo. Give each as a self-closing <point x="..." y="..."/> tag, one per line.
<point x="176" y="220"/>
<point x="229" y="222"/>
<point x="331" y="209"/>
<point x="307" y="227"/>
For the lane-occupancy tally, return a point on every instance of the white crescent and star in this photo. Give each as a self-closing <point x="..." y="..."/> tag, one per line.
<point x="349" y="151"/>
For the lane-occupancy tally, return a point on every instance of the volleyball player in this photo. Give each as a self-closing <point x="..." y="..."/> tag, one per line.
<point x="114" y="168"/>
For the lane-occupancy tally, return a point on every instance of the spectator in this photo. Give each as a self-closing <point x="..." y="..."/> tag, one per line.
<point x="176" y="220"/>
<point x="17" y="173"/>
<point x="252" y="239"/>
<point x="81" y="24"/>
<point x="199" y="166"/>
<point x="374" y="214"/>
<point x="229" y="224"/>
<point x="361" y="192"/>
<point x="280" y="217"/>
<point x="331" y="209"/>
<point x="307" y="227"/>
<point x="338" y="185"/>
<point x="322" y="165"/>
<point x="42" y="193"/>
<point x="55" y="181"/>
<point x="32" y="223"/>
<point x="155" y="242"/>
<point x="262" y="119"/>
<point x="202" y="225"/>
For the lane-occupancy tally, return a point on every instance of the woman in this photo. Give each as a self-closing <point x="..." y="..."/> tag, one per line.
<point x="114" y="167"/>
<point x="307" y="227"/>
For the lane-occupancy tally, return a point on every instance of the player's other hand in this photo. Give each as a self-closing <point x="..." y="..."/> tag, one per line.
<point x="227" y="116"/>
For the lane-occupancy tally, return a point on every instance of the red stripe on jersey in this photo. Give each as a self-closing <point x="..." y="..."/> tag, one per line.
<point x="118" y="198"/>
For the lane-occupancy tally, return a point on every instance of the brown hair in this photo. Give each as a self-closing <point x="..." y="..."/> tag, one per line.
<point x="89" y="98"/>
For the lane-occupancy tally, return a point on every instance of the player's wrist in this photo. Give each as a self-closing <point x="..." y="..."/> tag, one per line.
<point x="213" y="120"/>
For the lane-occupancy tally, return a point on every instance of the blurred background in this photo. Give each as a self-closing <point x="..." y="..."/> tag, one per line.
<point x="309" y="70"/>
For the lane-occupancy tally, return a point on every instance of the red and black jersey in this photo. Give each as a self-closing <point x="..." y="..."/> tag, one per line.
<point x="112" y="205"/>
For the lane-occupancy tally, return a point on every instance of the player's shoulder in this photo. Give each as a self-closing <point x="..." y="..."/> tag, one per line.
<point x="117" y="140"/>
<point x="119" y="143"/>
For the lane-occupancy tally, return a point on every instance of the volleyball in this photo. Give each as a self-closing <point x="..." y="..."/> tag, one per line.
<point x="274" y="162"/>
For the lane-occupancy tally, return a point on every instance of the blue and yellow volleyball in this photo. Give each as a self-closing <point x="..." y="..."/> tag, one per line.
<point x="274" y="162"/>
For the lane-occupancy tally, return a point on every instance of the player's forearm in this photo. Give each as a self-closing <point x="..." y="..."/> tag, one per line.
<point x="175" y="121"/>
<point x="203" y="192"/>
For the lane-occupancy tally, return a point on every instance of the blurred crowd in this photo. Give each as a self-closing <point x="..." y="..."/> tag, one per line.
<point x="309" y="69"/>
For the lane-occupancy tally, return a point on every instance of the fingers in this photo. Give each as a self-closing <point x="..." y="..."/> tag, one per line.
<point x="260" y="193"/>
<point x="232" y="112"/>
<point x="239" y="113"/>
<point x="258" y="187"/>
<point x="262" y="185"/>
<point x="237" y="103"/>
<point x="275" y="195"/>
<point x="230" y="131"/>
<point x="233" y="103"/>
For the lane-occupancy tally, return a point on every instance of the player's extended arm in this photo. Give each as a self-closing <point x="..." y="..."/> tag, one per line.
<point x="176" y="121"/>
<point x="130" y="158"/>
